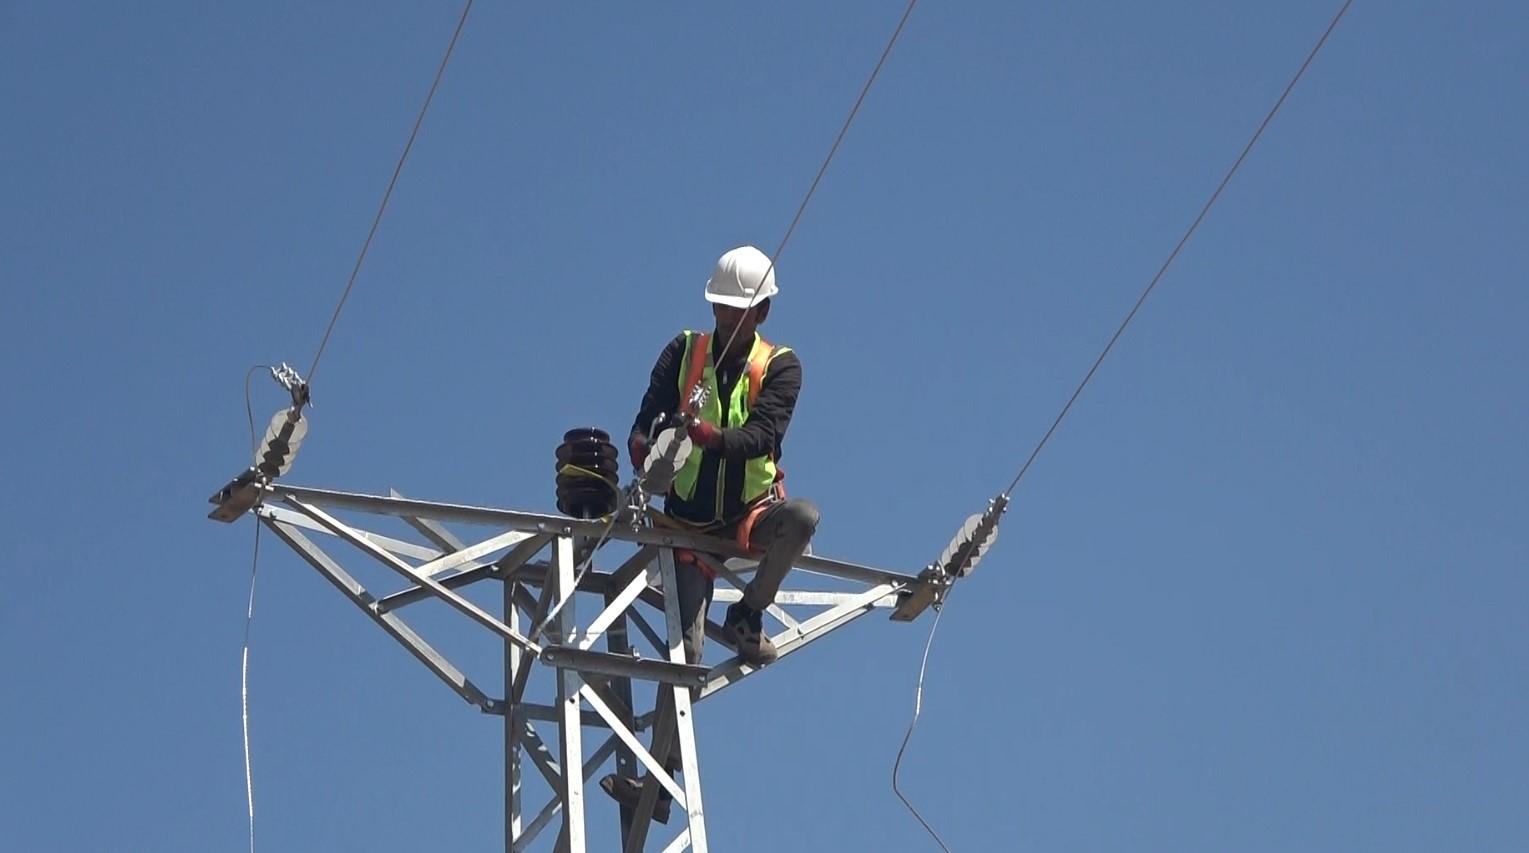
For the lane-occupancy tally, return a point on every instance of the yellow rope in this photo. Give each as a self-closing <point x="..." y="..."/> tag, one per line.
<point x="607" y="479"/>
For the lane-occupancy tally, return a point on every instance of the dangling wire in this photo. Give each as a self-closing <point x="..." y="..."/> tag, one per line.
<point x="249" y="618"/>
<point x="578" y="578"/>
<point x="244" y="687"/>
<point x="918" y="707"/>
<point x="249" y="615"/>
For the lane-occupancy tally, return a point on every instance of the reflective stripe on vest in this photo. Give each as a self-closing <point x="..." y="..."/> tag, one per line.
<point x="761" y="471"/>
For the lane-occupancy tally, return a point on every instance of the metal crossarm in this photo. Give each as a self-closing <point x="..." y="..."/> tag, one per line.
<point x="567" y="680"/>
<point x="389" y="623"/>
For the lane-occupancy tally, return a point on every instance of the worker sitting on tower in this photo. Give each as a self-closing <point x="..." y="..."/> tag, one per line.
<point x="731" y="484"/>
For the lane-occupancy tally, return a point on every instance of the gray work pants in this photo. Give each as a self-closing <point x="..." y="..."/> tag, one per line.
<point x="782" y="533"/>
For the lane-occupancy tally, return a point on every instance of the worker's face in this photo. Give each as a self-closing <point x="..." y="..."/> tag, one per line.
<point x="737" y="324"/>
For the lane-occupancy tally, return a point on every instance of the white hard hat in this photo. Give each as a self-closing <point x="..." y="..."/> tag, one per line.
<point x="740" y="279"/>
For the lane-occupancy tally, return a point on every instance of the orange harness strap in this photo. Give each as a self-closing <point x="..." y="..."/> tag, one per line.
<point x="757" y="367"/>
<point x="745" y="531"/>
<point x="759" y="364"/>
<point x="741" y="535"/>
<point x="688" y="557"/>
<point x="700" y="352"/>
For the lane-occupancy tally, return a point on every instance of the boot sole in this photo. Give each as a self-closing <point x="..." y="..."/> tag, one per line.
<point x="660" y="808"/>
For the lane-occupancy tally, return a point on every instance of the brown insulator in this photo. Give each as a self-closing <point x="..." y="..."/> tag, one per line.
<point x="587" y="473"/>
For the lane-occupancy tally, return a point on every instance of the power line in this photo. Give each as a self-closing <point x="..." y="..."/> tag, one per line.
<point x="834" y="149"/>
<point x="249" y="614"/>
<point x="1182" y="240"/>
<point x="790" y="229"/>
<point x="919" y="693"/>
<point x="377" y="220"/>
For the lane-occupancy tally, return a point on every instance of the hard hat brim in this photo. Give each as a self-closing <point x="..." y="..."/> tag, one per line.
<point x="738" y="301"/>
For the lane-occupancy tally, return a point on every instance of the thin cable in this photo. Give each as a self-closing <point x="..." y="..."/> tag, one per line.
<point x="790" y="229"/>
<point x="389" y="194"/>
<point x="855" y="110"/>
<point x="1185" y="239"/>
<point x="244" y="687"/>
<point x="918" y="707"/>
<point x="578" y="578"/>
<point x="249" y="618"/>
<point x="249" y="409"/>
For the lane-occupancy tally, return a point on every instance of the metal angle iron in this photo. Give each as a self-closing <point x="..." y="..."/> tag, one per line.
<point x="535" y="557"/>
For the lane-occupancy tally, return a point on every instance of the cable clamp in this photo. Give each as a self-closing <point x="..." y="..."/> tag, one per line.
<point x="287" y="377"/>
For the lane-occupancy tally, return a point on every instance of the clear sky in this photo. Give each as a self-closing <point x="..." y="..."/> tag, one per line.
<point x="1265" y="590"/>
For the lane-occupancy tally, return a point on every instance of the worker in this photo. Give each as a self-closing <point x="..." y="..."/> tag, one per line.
<point x="731" y="484"/>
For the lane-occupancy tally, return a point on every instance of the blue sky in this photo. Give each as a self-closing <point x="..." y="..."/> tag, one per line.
<point x="1264" y="590"/>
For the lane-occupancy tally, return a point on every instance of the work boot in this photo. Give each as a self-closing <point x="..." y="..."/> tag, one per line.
<point x="744" y="626"/>
<point x="627" y="791"/>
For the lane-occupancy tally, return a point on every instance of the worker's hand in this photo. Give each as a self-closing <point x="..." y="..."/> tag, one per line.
<point x="705" y="435"/>
<point x="639" y="449"/>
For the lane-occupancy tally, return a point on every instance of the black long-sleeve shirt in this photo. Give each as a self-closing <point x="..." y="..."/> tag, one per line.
<point x="762" y="434"/>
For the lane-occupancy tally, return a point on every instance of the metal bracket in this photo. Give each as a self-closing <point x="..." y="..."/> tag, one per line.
<point x="590" y="693"/>
<point x="570" y="657"/>
<point x="930" y="589"/>
<point x="237" y="498"/>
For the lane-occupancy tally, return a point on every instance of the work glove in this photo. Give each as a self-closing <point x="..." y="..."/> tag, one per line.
<point x="705" y="435"/>
<point x="639" y="448"/>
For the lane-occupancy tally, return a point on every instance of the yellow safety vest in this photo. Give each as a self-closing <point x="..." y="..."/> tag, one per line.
<point x="760" y="472"/>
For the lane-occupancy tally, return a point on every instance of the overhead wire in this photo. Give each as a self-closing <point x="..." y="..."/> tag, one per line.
<point x="1269" y="117"/>
<point x="834" y="149"/>
<point x="249" y="614"/>
<point x="781" y="247"/>
<point x="350" y="284"/>
<point x="918" y="708"/>
<point x="1180" y="245"/>
<point x="382" y="208"/>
